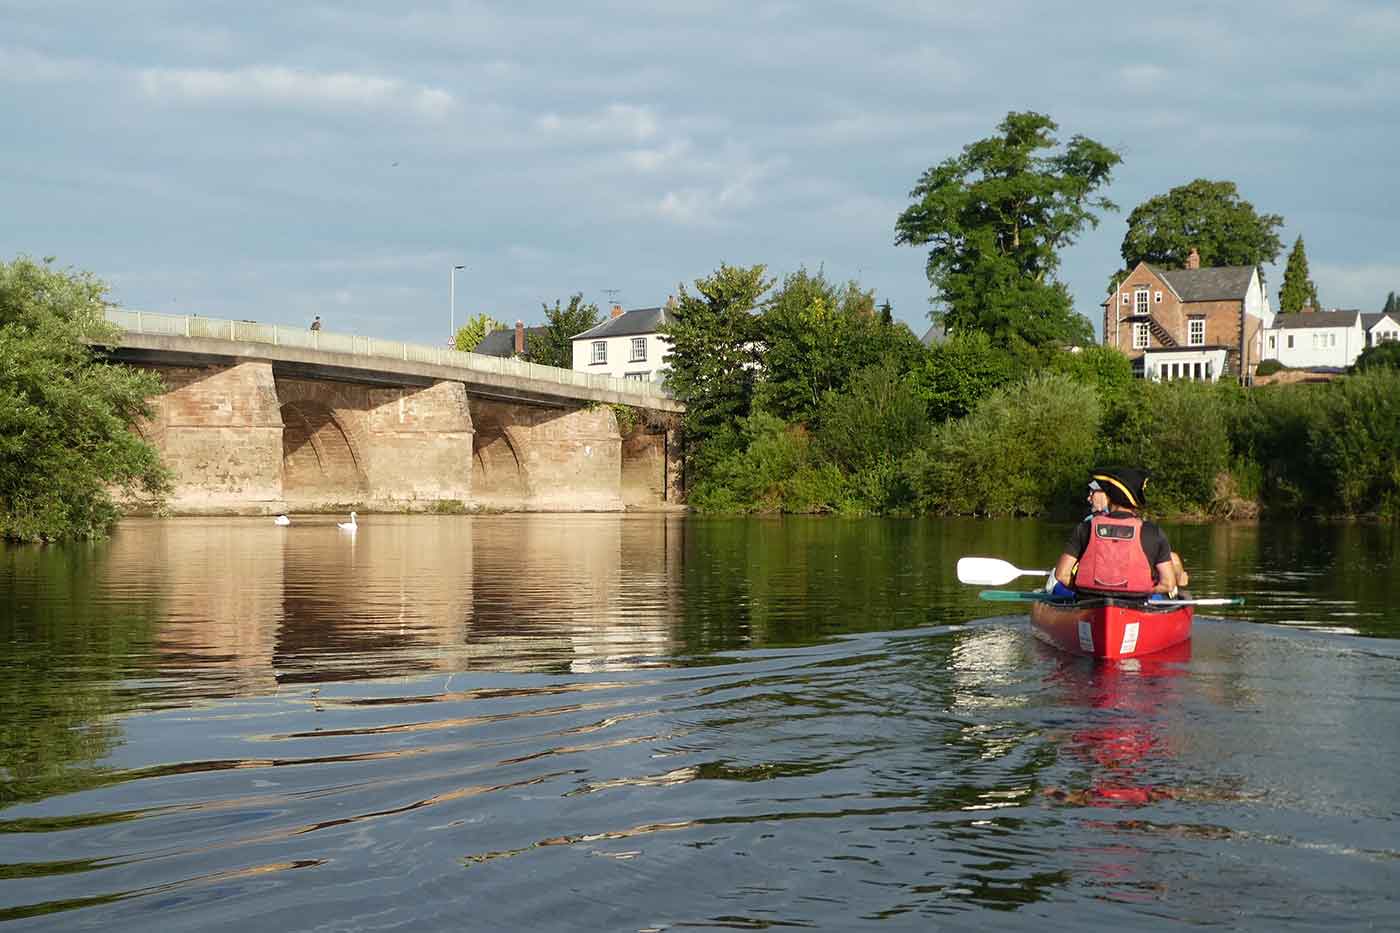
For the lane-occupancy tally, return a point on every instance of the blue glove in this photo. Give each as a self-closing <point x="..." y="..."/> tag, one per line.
<point x="1060" y="591"/>
<point x="1155" y="597"/>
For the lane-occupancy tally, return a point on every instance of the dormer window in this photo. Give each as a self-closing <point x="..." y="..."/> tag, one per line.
<point x="1140" y="301"/>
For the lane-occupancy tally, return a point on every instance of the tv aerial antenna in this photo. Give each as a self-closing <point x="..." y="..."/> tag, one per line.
<point x="612" y="294"/>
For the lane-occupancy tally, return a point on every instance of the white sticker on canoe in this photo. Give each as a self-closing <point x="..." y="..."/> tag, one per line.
<point x="1086" y="637"/>
<point x="1130" y="633"/>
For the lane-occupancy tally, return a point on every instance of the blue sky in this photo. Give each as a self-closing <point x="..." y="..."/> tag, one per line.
<point x="273" y="161"/>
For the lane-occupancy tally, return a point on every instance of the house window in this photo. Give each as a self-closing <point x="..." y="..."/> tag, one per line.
<point x="1196" y="332"/>
<point x="640" y="377"/>
<point x="600" y="351"/>
<point x="1140" y="301"/>
<point x="1126" y="299"/>
<point x="1209" y="366"/>
<point x="1290" y="341"/>
<point x="1196" y="371"/>
<point x="1157" y="297"/>
<point x="639" y="350"/>
<point x="1272" y="341"/>
<point x="1141" y="335"/>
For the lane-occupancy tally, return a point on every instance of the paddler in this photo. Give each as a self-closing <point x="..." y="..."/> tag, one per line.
<point x="1117" y="552"/>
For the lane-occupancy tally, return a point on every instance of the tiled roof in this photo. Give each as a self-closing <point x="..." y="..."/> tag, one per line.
<point x="1216" y="283"/>
<point x="1316" y="319"/>
<point x="632" y="323"/>
<point x="502" y="342"/>
<point x="935" y="334"/>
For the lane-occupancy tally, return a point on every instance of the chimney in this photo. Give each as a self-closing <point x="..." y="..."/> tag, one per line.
<point x="1193" y="261"/>
<point x="519" y="338"/>
<point x="1307" y="309"/>
<point x="617" y="311"/>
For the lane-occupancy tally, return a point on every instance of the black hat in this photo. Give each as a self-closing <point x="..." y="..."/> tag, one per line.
<point x="1124" y="485"/>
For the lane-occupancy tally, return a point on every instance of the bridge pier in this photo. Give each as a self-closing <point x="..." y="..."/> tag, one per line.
<point x="219" y="430"/>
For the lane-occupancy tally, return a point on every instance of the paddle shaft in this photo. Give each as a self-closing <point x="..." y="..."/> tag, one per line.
<point x="1011" y="596"/>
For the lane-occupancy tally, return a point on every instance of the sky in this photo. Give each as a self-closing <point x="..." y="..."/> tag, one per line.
<point x="272" y="161"/>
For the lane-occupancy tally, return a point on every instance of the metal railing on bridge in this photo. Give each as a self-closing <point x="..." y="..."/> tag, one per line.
<point x="281" y="335"/>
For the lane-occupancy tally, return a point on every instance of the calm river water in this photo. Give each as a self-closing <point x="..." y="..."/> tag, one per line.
<point x="651" y="722"/>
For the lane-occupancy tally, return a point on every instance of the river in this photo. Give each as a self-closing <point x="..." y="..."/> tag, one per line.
<point x="653" y="722"/>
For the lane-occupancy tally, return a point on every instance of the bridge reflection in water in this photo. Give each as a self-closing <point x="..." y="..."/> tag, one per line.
<point x="248" y="606"/>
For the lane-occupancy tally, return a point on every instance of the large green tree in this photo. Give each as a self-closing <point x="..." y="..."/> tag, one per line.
<point x="815" y="335"/>
<point x="715" y="350"/>
<point x="471" y="333"/>
<point x="1392" y="304"/>
<point x="1298" y="289"/>
<point x="555" y="346"/>
<point x="66" y="418"/>
<point x="1208" y="216"/>
<point x="995" y="219"/>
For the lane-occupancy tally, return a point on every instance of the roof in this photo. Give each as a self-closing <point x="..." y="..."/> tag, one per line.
<point x="935" y="334"/>
<point x="1306" y="319"/>
<point x="632" y="323"/>
<point x="1370" y="319"/>
<point x="1216" y="283"/>
<point x="501" y="342"/>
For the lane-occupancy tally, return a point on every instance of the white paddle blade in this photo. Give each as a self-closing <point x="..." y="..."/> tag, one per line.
<point x="990" y="571"/>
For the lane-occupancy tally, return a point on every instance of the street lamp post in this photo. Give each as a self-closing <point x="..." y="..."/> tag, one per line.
<point x="452" y="289"/>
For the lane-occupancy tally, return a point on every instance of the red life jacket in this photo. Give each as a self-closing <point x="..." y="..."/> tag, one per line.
<point x="1114" y="561"/>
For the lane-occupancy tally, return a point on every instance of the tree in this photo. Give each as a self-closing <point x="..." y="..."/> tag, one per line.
<point x="714" y="356"/>
<point x="471" y="333"/>
<point x="996" y="218"/>
<point x="66" y="418"/>
<point x="1298" y="289"/>
<point x="1392" y="304"/>
<point x="961" y="371"/>
<point x="815" y="335"/>
<point x="1208" y="216"/>
<point x="555" y="346"/>
<point x="886" y="313"/>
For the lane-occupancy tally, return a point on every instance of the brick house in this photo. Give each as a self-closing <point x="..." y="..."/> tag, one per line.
<point x="1189" y="323"/>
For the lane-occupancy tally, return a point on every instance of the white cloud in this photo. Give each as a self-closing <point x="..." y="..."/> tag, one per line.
<point x="278" y="86"/>
<point x="616" y="122"/>
<point x="654" y="159"/>
<point x="1143" y="76"/>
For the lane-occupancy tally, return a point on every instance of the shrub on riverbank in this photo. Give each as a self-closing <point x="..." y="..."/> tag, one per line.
<point x="67" y="443"/>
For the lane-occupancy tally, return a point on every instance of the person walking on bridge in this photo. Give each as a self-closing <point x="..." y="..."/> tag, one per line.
<point x="316" y="324"/>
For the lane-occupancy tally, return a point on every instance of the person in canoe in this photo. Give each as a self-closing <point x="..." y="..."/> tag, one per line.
<point x="1117" y="552"/>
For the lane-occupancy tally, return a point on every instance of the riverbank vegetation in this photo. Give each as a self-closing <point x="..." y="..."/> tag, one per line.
<point x="68" y="448"/>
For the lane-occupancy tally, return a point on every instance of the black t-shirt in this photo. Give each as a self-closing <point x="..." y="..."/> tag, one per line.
<point x="1154" y="541"/>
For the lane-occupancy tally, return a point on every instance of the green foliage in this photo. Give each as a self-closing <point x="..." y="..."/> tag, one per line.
<point x="1025" y="449"/>
<point x="815" y="336"/>
<point x="1392" y="304"/>
<point x="714" y="355"/>
<point x="66" y="420"/>
<point x="1357" y="443"/>
<point x="628" y="418"/>
<point x="770" y="466"/>
<point x="868" y="430"/>
<point x="471" y="333"/>
<point x="995" y="219"/>
<point x="1107" y="370"/>
<point x="1269" y="367"/>
<point x="1381" y="356"/>
<point x="1270" y="428"/>
<point x="1181" y="435"/>
<point x="1209" y="216"/>
<point x="1298" y="290"/>
<point x="953" y="376"/>
<point x="555" y="346"/>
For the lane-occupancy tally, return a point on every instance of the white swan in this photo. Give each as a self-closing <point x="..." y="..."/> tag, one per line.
<point x="348" y="526"/>
<point x="281" y="520"/>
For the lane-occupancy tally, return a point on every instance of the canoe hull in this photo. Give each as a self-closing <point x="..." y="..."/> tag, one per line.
<point x="1111" y="628"/>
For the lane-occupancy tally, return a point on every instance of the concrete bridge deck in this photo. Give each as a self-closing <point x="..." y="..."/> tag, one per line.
<point x="181" y="338"/>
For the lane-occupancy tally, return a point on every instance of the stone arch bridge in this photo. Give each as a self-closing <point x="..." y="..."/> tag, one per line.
<point x="260" y="418"/>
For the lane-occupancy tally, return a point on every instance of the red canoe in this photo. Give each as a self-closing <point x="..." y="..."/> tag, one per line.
<point x="1110" y="627"/>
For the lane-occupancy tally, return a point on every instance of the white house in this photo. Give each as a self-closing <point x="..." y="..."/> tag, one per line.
<point x="628" y="345"/>
<point x="1315" y="339"/>
<point x="1380" y="327"/>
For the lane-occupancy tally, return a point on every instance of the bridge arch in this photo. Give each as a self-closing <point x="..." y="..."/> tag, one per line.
<point x="498" y="472"/>
<point x="320" y="458"/>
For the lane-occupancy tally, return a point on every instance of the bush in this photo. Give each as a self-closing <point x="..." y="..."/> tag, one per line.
<point x="1357" y="443"/>
<point x="1024" y="450"/>
<point x="771" y="468"/>
<point x="1269" y="367"/>
<point x="955" y="375"/>
<point x="1183" y="440"/>
<point x="1381" y="356"/>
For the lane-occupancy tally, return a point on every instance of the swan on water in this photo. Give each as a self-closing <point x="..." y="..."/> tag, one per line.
<point x="281" y="520"/>
<point x="348" y="526"/>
